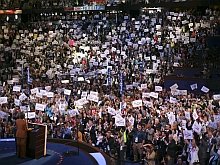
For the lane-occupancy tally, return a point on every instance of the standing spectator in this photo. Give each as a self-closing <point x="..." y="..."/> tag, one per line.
<point x="149" y="133"/>
<point x="203" y="146"/>
<point x="110" y="146"/>
<point x="171" y="147"/>
<point x="193" y="150"/>
<point x="150" y="155"/>
<point x="139" y="140"/>
<point x="180" y="161"/>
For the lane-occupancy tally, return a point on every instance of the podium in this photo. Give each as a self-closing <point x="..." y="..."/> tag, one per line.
<point x="36" y="141"/>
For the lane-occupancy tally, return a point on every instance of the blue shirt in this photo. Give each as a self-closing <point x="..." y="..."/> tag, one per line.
<point x="140" y="135"/>
<point x="213" y="124"/>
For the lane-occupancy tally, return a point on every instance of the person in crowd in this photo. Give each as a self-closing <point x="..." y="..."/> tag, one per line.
<point x="180" y="161"/>
<point x="203" y="147"/>
<point x="69" y="61"/>
<point x="21" y="135"/>
<point x="150" y="154"/>
<point x="171" y="147"/>
<point x="138" y="142"/>
<point x="193" y="150"/>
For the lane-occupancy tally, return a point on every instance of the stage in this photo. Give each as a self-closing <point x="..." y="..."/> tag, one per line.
<point x="56" y="153"/>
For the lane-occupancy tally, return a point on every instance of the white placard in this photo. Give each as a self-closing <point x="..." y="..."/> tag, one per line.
<point x="16" y="80"/>
<point x="3" y="114"/>
<point x="195" y="115"/>
<point x="184" y="124"/>
<point x="119" y="121"/>
<point x="22" y="97"/>
<point x="158" y="88"/>
<point x="23" y="108"/>
<point x="34" y="91"/>
<point x="143" y="86"/>
<point x="216" y="118"/>
<point x="84" y="94"/>
<point x="17" y="102"/>
<point x="196" y="127"/>
<point x="216" y="97"/>
<point x="73" y="112"/>
<point x="173" y="100"/>
<point x="50" y="94"/>
<point x="39" y="107"/>
<point x="188" y="134"/>
<point x="43" y="92"/>
<point x="181" y="92"/>
<point x="10" y="82"/>
<point x="174" y="87"/>
<point x="93" y="98"/>
<point x="205" y="89"/>
<point x="30" y="115"/>
<point x="3" y="100"/>
<point x="187" y="115"/>
<point x="111" y="111"/>
<point x="67" y="92"/>
<point x="16" y="88"/>
<point x="65" y="81"/>
<point x="39" y="95"/>
<point x="154" y="95"/>
<point x="137" y="103"/>
<point x="144" y="95"/>
<point x="47" y="88"/>
<point x="94" y="93"/>
<point x="193" y="86"/>
<point x="81" y="102"/>
<point x="171" y="118"/>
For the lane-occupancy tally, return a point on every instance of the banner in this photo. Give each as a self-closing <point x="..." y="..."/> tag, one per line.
<point x="85" y="8"/>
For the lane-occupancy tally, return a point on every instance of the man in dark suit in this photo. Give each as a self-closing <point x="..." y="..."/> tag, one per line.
<point x="171" y="147"/>
<point x="21" y="135"/>
<point x="203" y="147"/>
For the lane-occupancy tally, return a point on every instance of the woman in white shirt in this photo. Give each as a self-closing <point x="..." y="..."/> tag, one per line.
<point x="193" y="150"/>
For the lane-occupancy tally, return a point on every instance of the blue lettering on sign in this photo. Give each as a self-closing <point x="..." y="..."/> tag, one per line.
<point x="121" y="83"/>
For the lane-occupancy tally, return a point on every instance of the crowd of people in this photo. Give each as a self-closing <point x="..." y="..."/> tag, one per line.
<point x="28" y="4"/>
<point x="99" y="79"/>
